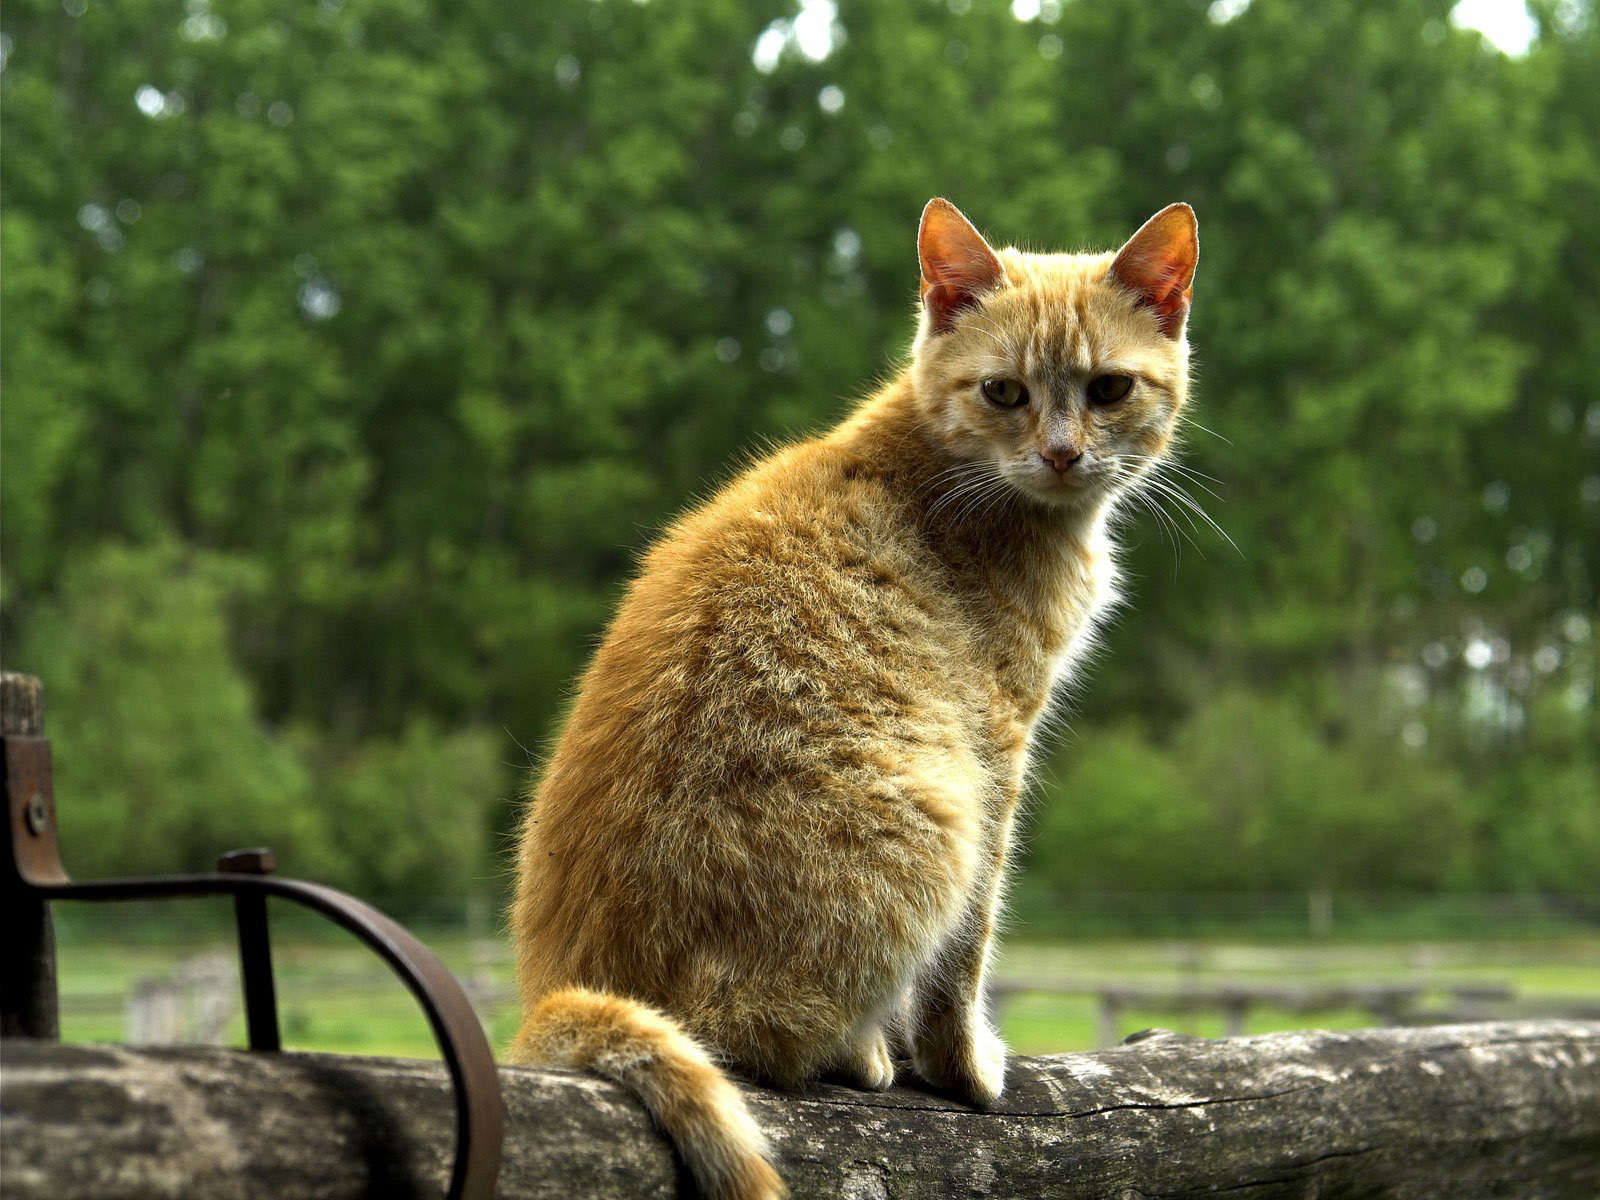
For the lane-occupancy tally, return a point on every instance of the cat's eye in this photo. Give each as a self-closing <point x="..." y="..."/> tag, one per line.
<point x="1007" y="393"/>
<point x="1108" y="389"/>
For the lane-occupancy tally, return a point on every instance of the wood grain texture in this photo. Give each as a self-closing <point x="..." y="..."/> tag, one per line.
<point x="21" y="705"/>
<point x="1507" y="1109"/>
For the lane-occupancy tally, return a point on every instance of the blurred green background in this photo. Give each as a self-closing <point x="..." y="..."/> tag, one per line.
<point x="352" y="351"/>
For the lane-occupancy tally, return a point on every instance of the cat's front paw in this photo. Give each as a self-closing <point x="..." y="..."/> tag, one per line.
<point x="868" y="1065"/>
<point x="970" y="1061"/>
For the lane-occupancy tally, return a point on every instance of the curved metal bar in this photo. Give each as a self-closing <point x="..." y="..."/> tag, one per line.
<point x="480" y="1110"/>
<point x="31" y="872"/>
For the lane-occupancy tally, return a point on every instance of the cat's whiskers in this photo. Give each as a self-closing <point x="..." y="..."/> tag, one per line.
<point x="958" y="469"/>
<point x="970" y="481"/>
<point x="1147" y="486"/>
<point x="997" y="504"/>
<point x="1190" y="507"/>
<point x="1175" y="489"/>
<point x="957" y="480"/>
<point x="1169" y="529"/>
<point x="949" y="505"/>
<point x="1199" y="478"/>
<point x="1168" y="460"/>
<point x="1165" y="522"/>
<point x="1185" y="419"/>
<point x="996" y="339"/>
<point x="977" y="495"/>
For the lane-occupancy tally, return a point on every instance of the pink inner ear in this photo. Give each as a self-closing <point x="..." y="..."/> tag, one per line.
<point x="958" y="266"/>
<point x="1157" y="264"/>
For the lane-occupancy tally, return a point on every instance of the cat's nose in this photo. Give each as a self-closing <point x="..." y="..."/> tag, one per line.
<point x="1060" y="456"/>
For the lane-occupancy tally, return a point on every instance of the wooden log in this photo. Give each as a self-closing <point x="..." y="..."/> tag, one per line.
<point x="1505" y="1110"/>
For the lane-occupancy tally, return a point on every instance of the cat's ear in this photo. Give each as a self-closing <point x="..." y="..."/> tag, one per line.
<point x="958" y="267"/>
<point x="1157" y="265"/>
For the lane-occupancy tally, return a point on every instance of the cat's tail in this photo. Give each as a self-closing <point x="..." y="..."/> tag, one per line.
<point x="688" y="1095"/>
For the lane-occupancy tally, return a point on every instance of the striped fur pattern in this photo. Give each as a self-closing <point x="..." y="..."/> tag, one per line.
<point x="772" y="837"/>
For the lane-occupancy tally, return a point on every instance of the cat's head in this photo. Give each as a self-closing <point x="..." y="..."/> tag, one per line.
<point x="1064" y="372"/>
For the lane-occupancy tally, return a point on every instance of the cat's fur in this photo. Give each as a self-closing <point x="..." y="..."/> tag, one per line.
<point x="775" y="827"/>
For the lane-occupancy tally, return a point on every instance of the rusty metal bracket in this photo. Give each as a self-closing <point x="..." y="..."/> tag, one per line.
<point x="31" y="877"/>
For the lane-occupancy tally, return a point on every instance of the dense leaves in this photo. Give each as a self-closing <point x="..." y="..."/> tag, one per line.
<point x="353" y="350"/>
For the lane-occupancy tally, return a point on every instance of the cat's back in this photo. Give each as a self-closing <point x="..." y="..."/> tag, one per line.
<point x="787" y="600"/>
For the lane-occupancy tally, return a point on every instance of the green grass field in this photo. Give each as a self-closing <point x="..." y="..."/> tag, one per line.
<point x="335" y="996"/>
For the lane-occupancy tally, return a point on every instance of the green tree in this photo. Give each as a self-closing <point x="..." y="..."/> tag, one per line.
<point x="161" y="760"/>
<point x="401" y="327"/>
<point x="405" y="817"/>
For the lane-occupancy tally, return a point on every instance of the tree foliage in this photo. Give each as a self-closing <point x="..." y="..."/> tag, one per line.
<point x="353" y="350"/>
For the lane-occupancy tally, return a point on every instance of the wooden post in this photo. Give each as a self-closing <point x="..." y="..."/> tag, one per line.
<point x="1234" y="1008"/>
<point x="1108" y="1019"/>
<point x="28" y="1000"/>
<point x="1319" y="911"/>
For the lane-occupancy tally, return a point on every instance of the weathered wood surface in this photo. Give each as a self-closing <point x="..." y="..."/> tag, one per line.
<point x="28" y="1002"/>
<point x="1453" y="1111"/>
<point x="21" y="705"/>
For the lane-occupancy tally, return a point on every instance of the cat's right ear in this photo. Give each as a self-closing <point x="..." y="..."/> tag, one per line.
<point x="958" y="267"/>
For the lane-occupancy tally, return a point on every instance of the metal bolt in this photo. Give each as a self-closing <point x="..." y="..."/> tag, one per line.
<point x="256" y="861"/>
<point x="38" y="814"/>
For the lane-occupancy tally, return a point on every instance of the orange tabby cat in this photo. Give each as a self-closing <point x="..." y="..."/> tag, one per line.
<point x="774" y="831"/>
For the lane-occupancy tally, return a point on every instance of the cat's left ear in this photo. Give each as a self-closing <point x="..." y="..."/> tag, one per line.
<point x="1157" y="265"/>
<point x="958" y="267"/>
